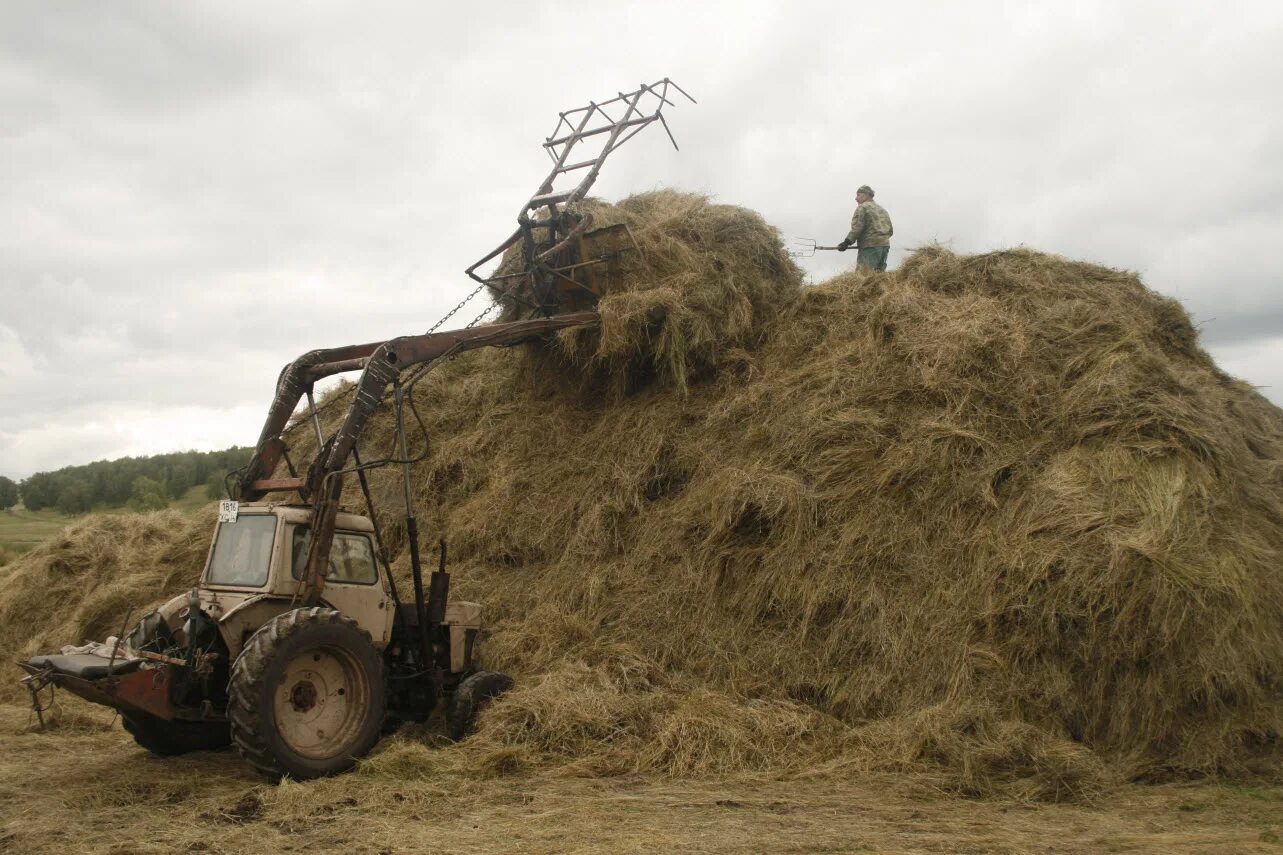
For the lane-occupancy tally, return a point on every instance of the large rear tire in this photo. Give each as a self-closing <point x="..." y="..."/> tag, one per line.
<point x="307" y="695"/>
<point x="171" y="738"/>
<point x="472" y="694"/>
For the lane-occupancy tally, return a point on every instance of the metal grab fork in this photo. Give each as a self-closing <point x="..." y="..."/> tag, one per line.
<point x="545" y="225"/>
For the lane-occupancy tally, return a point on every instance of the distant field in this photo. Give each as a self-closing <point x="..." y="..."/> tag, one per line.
<point x="191" y="500"/>
<point x="21" y="529"/>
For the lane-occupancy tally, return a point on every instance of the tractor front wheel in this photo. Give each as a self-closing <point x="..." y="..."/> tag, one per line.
<point x="307" y="695"/>
<point x="473" y="693"/>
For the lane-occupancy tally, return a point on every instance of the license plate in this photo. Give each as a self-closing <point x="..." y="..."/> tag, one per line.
<point x="228" y="511"/>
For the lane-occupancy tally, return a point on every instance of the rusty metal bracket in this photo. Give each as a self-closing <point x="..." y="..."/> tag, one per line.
<point x="35" y="684"/>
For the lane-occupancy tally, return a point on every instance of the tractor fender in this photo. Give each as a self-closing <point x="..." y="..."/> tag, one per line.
<point x="169" y="612"/>
<point x="242" y="620"/>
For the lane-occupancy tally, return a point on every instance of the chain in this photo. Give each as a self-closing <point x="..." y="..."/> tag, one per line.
<point x="448" y="315"/>
<point x="487" y="310"/>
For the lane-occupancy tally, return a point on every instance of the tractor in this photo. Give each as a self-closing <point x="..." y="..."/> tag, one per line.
<point x="296" y="645"/>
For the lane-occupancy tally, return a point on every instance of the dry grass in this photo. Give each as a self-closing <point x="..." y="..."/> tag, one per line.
<point x="996" y="520"/>
<point x="99" y="794"/>
<point x="79" y="585"/>
<point x="704" y="284"/>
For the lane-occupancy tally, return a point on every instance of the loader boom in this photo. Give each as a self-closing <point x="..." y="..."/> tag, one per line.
<point x="380" y="364"/>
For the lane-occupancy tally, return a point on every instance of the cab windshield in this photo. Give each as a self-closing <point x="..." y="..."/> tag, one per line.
<point x="243" y="551"/>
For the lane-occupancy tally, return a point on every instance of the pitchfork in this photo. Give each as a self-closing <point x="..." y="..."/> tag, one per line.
<point x="806" y="248"/>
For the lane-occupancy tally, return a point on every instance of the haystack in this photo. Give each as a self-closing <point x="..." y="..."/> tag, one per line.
<point x="84" y="583"/>
<point x="997" y="519"/>
<point x="699" y="287"/>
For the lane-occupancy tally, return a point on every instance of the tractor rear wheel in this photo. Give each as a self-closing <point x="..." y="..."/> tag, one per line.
<point x="473" y="693"/>
<point x="307" y="695"/>
<point x="171" y="738"/>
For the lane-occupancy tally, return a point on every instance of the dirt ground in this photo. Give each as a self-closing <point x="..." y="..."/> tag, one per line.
<point x="86" y="788"/>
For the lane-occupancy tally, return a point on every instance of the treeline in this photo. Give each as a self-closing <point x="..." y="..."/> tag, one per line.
<point x="8" y="492"/>
<point x="142" y="483"/>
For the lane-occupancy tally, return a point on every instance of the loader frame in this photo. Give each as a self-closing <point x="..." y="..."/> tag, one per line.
<point x="381" y="364"/>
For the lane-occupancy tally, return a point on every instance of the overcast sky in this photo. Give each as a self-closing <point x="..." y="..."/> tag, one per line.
<point x="192" y="194"/>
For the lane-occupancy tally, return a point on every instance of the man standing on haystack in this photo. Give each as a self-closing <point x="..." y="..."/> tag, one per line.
<point x="870" y="231"/>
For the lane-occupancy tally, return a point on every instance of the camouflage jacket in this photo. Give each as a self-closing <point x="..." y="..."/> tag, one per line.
<point x="870" y="225"/>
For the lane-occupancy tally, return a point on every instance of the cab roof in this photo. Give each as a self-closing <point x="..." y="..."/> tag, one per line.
<point x="299" y="513"/>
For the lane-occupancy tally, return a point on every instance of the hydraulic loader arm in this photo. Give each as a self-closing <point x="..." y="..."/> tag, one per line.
<point x="380" y="364"/>
<point x="294" y="381"/>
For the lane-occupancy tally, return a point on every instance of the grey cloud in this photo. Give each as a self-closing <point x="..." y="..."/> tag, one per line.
<point x="123" y="57"/>
<point x="191" y="194"/>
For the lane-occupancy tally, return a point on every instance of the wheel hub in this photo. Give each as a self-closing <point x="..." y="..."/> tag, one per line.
<point x="321" y="702"/>
<point x="303" y="696"/>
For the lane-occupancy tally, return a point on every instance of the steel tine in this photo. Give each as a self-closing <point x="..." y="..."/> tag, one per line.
<point x="681" y="90"/>
<point x="806" y="248"/>
<point x="671" y="138"/>
<point x="662" y="96"/>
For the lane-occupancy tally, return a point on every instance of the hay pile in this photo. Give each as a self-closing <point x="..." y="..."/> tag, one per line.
<point x="79" y="585"/>
<point x="701" y="287"/>
<point x="996" y="519"/>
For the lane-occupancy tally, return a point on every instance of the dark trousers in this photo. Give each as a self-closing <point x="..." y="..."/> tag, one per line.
<point x="872" y="257"/>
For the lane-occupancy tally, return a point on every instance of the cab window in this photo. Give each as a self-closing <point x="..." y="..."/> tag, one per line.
<point x="243" y="551"/>
<point x="351" y="557"/>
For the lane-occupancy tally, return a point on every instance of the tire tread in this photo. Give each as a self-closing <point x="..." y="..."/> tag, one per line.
<point x="248" y="729"/>
<point x="472" y="693"/>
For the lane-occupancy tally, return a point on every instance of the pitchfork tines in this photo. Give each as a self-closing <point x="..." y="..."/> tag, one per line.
<point x="806" y="247"/>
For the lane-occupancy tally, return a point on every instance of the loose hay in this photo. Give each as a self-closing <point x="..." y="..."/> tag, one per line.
<point x="704" y="282"/>
<point x="997" y="518"/>
<point x="80" y="585"/>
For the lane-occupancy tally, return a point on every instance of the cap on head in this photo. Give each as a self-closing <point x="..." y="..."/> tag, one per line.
<point x="866" y="189"/>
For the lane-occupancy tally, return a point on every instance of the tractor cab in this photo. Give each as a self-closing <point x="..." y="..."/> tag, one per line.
<point x="263" y="547"/>
<point x="255" y="570"/>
